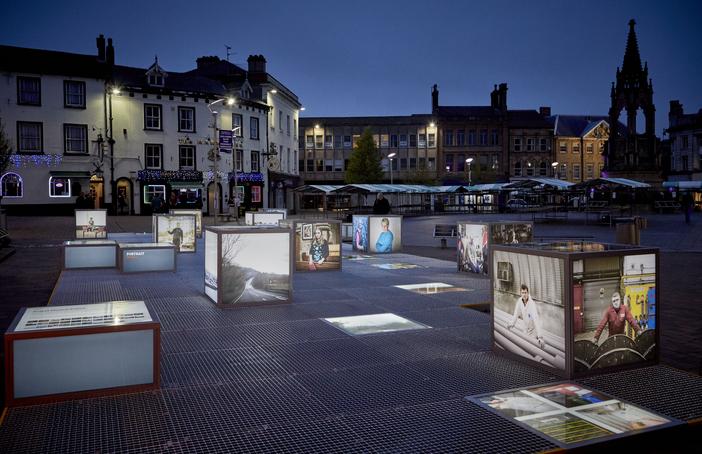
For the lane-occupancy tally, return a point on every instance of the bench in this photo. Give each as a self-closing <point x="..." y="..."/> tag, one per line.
<point x="444" y="231"/>
<point x="662" y="205"/>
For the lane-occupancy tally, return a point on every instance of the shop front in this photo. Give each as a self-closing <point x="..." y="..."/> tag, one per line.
<point x="246" y="191"/>
<point x="169" y="189"/>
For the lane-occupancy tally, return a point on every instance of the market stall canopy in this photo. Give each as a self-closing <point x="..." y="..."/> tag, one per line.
<point x="683" y="184"/>
<point x="539" y="183"/>
<point x="386" y="188"/>
<point x="489" y="187"/>
<point x="625" y="182"/>
<point x="317" y="188"/>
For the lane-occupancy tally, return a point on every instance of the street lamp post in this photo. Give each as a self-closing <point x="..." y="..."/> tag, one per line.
<point x="555" y="169"/>
<point x="470" y="179"/>
<point x="390" y="156"/>
<point x="229" y="102"/>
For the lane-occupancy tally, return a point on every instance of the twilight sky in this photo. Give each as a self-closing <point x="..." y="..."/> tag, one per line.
<point x="381" y="57"/>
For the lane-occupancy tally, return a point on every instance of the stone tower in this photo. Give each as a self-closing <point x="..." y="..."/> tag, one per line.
<point x="630" y="154"/>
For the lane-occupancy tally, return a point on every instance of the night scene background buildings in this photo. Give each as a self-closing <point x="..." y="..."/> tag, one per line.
<point x="88" y="122"/>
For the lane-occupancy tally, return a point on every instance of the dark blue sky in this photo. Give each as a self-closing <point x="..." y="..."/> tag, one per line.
<point x="381" y="57"/>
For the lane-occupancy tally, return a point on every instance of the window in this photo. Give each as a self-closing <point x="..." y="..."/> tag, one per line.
<point x="531" y="144"/>
<point x="384" y="140"/>
<point x="301" y="165"/>
<point x="11" y="185"/>
<point x="253" y="128"/>
<point x="483" y="163"/>
<point x="563" y="146"/>
<point x="393" y="164"/>
<point x="431" y="163"/>
<point x="152" y="116"/>
<point x="461" y="164"/>
<point x="256" y="194"/>
<point x="309" y="141"/>
<point x="589" y="148"/>
<point x="310" y="165"/>
<point x="530" y="169"/>
<point x="422" y="164"/>
<point x="432" y="140"/>
<point x="590" y="169"/>
<point x="483" y="137"/>
<point x="75" y="138"/>
<point x="376" y="140"/>
<point x="422" y="140"/>
<point x="413" y="140"/>
<point x="460" y="137"/>
<point x="448" y="137"/>
<point x="320" y="165"/>
<point x="318" y="142"/>
<point x="347" y="141"/>
<point x="517" y="169"/>
<point x="295" y="161"/>
<point x="186" y="157"/>
<point x="602" y="147"/>
<point x="328" y="143"/>
<point x="338" y="165"/>
<point x="238" y="160"/>
<point x="495" y="163"/>
<point x="152" y="190"/>
<point x="471" y="137"/>
<point x="287" y="124"/>
<point x="449" y="162"/>
<point x="517" y="141"/>
<point x="29" y="137"/>
<point x="155" y="79"/>
<point x="564" y="171"/>
<point x="543" y="169"/>
<point x="494" y="137"/>
<point x="186" y="119"/>
<point x="153" y="156"/>
<point x="543" y="144"/>
<point x="295" y="128"/>
<point x="393" y="141"/>
<point x="685" y="163"/>
<point x="255" y="161"/>
<point x="684" y="142"/>
<point x="576" y="171"/>
<point x="354" y="139"/>
<point x="338" y="141"/>
<point x="280" y="120"/>
<point x="59" y="187"/>
<point x="74" y="94"/>
<point x="403" y="140"/>
<point x="403" y="163"/>
<point x="237" y="125"/>
<point x="576" y="147"/>
<point x="328" y="165"/>
<point x="29" y="91"/>
<point x="412" y="163"/>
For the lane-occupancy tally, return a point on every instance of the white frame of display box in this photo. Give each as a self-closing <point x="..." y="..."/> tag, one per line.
<point x="369" y="231"/>
<point x="218" y="232"/>
<point x="292" y="224"/>
<point x="490" y="242"/>
<point x="198" y="218"/>
<point x="124" y="248"/>
<point x="75" y="215"/>
<point x="72" y="328"/>
<point x="569" y="257"/>
<point x="275" y="216"/>
<point x="154" y="228"/>
<point x="88" y="245"/>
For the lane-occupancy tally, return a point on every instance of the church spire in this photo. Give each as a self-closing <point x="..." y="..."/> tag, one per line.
<point x="632" y="60"/>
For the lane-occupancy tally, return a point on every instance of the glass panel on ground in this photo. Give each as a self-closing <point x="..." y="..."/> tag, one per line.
<point x="397" y="266"/>
<point x="83" y="315"/>
<point x="374" y="323"/>
<point x="570" y="415"/>
<point x="431" y="288"/>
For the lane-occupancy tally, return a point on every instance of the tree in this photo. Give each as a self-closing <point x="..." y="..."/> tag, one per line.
<point x="422" y="175"/>
<point x="364" y="162"/>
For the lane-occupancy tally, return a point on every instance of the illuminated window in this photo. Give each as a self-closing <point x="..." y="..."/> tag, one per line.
<point x="517" y="169"/>
<point x="152" y="116"/>
<point x="237" y="125"/>
<point x="256" y="194"/>
<point x="517" y="144"/>
<point x="153" y="156"/>
<point x="11" y="185"/>
<point x="59" y="187"/>
<point x="151" y="190"/>
<point x="186" y="119"/>
<point x="75" y="138"/>
<point x="74" y="94"/>
<point x="253" y="128"/>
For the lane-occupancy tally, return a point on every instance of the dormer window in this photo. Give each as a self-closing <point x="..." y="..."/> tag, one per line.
<point x="156" y="79"/>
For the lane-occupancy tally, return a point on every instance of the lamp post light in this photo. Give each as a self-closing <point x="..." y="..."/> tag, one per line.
<point x="229" y="102"/>
<point x="469" y="161"/>
<point x="390" y="156"/>
<point x="555" y="169"/>
<point x="113" y="90"/>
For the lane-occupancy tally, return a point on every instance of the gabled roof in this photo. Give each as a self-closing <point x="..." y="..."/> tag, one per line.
<point x="129" y="77"/>
<point x="37" y="61"/>
<point x="574" y="125"/>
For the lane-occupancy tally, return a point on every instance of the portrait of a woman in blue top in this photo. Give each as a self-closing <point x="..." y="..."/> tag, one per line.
<point x="384" y="243"/>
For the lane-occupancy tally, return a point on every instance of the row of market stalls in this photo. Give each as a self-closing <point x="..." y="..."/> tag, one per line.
<point x="529" y="193"/>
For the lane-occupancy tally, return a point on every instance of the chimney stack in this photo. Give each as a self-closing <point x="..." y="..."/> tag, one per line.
<point x="257" y="68"/>
<point x="110" y="53"/>
<point x="502" y="96"/>
<point x="545" y="111"/>
<point x="101" y="47"/>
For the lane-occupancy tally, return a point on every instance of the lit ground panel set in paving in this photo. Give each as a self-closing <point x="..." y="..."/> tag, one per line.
<point x="247" y="266"/>
<point x="576" y="308"/>
<point x="70" y="352"/>
<point x="316" y="245"/>
<point x="474" y="240"/>
<point x="377" y="234"/>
